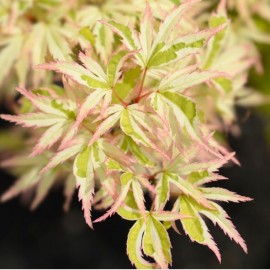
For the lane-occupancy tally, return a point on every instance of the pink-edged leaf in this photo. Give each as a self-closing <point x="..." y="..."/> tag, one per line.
<point x="49" y="138"/>
<point x="213" y="177"/>
<point x="171" y="21"/>
<point x="116" y="153"/>
<point x="139" y="197"/>
<point x="41" y="102"/>
<point x="224" y="195"/>
<point x="210" y="166"/>
<point x="93" y="66"/>
<point x="63" y="156"/>
<point x="163" y="192"/>
<point x="223" y="220"/>
<point x="105" y="107"/>
<point x="85" y="194"/>
<point x="34" y="119"/>
<point x="134" y="246"/>
<point x="71" y="70"/>
<point x="116" y="64"/>
<point x="146" y="30"/>
<point x="185" y="81"/>
<point x="83" y="171"/>
<point x="105" y="126"/>
<point x="129" y="37"/>
<point x="118" y="202"/>
<point x="190" y="190"/>
<point x="196" y="228"/>
<point x="160" y="242"/>
<point x="90" y="103"/>
<point x="147" y="185"/>
<point x="168" y="216"/>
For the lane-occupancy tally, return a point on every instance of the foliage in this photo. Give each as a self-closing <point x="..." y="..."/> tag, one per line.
<point x="144" y="88"/>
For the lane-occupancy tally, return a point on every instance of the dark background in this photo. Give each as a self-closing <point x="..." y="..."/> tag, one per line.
<point x="49" y="238"/>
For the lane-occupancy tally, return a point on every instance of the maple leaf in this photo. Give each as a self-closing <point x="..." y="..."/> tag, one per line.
<point x="132" y="115"/>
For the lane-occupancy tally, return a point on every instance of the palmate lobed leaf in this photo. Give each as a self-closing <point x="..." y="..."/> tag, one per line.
<point x="84" y="173"/>
<point x="151" y="237"/>
<point x="131" y="126"/>
<point x="196" y="227"/>
<point x="154" y="50"/>
<point x="52" y="115"/>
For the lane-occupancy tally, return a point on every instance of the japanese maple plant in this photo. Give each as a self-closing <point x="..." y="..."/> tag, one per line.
<point x="139" y="126"/>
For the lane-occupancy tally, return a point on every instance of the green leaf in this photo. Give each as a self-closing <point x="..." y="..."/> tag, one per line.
<point x="130" y="128"/>
<point x="126" y="178"/>
<point x="129" y="210"/>
<point x="224" y="83"/>
<point x="162" y="192"/>
<point x="138" y="152"/>
<point x="160" y="243"/>
<point x="194" y="177"/>
<point x="105" y="125"/>
<point x="224" y="195"/>
<point x="148" y="248"/>
<point x="195" y="227"/>
<point x="83" y="171"/>
<point x="170" y="22"/>
<point x="182" y="79"/>
<point x="82" y="161"/>
<point x="220" y="217"/>
<point x="115" y="64"/>
<point x="189" y="189"/>
<point x="114" y="165"/>
<point x="95" y="83"/>
<point x="124" y="88"/>
<point x="134" y="243"/>
<point x="60" y="106"/>
<point x="186" y="106"/>
<point x="125" y="33"/>
<point x="169" y="54"/>
<point x="88" y="35"/>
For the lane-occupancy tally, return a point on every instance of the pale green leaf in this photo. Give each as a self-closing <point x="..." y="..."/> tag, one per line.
<point x="114" y="66"/>
<point x="195" y="227"/>
<point x="84" y="173"/>
<point x="189" y="189"/>
<point x="221" y="194"/>
<point x="221" y="218"/>
<point x="170" y="22"/>
<point x="134" y="243"/>
<point x="160" y="242"/>
<point x="131" y="128"/>
<point x="106" y="125"/>
<point x="163" y="192"/>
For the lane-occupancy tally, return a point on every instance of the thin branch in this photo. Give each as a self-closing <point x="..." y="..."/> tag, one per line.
<point x="125" y="104"/>
<point x="141" y="88"/>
